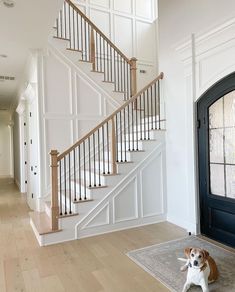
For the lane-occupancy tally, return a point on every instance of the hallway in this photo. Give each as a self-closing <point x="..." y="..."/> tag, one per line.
<point x="88" y="265"/>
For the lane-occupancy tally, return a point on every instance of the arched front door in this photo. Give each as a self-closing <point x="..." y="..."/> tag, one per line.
<point x="216" y="153"/>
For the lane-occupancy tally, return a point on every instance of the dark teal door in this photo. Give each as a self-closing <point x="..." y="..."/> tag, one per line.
<point x="216" y="160"/>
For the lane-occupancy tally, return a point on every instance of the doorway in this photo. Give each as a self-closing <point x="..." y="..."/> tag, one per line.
<point x="216" y="160"/>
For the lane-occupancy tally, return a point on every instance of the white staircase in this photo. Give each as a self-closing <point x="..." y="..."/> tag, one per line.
<point x="96" y="214"/>
<point x="112" y="178"/>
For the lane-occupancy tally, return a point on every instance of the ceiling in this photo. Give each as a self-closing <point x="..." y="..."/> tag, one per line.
<point x="22" y="28"/>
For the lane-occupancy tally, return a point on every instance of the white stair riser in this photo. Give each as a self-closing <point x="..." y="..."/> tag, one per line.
<point x="74" y="56"/>
<point x="62" y="45"/>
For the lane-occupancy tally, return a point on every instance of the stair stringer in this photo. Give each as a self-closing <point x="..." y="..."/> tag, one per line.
<point x="84" y="228"/>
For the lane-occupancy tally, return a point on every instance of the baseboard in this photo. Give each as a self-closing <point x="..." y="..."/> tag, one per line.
<point x="119" y="226"/>
<point x="6" y="176"/>
<point x="189" y="226"/>
<point x="38" y="237"/>
<point x="18" y="184"/>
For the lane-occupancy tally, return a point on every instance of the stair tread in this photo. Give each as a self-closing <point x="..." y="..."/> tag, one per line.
<point x="101" y="173"/>
<point x="68" y="215"/>
<point x="59" y="38"/>
<point x="90" y="187"/>
<point x="74" y="50"/>
<point x="42" y="222"/>
<point x="105" y="81"/>
<point x="85" y="61"/>
<point x="95" y="71"/>
<point x="82" y="201"/>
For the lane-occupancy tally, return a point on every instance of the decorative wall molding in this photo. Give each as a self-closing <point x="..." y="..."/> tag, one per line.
<point x="100" y="219"/>
<point x="131" y="204"/>
<point x="125" y="202"/>
<point x="206" y="58"/>
<point x="83" y="95"/>
<point x="153" y="201"/>
<point x="125" y="22"/>
<point x="210" y="48"/>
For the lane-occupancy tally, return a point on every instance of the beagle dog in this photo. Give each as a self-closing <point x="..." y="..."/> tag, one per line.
<point x="202" y="269"/>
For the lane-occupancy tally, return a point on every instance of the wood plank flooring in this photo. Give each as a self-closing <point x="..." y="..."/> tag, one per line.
<point x="95" y="264"/>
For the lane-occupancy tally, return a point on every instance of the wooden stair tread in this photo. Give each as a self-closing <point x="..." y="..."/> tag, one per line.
<point x="105" y="81"/>
<point x="82" y="201"/>
<point x="92" y="187"/>
<point x="59" y="38"/>
<point x="101" y="173"/>
<point x="68" y="215"/>
<point x="74" y="50"/>
<point x="85" y="61"/>
<point x="95" y="71"/>
<point x="42" y="222"/>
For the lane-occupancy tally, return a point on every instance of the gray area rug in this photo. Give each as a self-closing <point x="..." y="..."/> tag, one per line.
<point x="161" y="262"/>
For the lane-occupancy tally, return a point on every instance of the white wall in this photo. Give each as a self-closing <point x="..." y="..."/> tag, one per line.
<point x="190" y="68"/>
<point x="16" y="143"/>
<point x="71" y="104"/>
<point x="130" y="26"/>
<point x="5" y="145"/>
<point x="26" y="137"/>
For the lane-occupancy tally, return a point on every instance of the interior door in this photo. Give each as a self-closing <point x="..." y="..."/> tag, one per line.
<point x="32" y="191"/>
<point x="216" y="146"/>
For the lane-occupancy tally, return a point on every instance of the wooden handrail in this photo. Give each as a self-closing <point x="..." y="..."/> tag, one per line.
<point x="131" y="100"/>
<point x="98" y="30"/>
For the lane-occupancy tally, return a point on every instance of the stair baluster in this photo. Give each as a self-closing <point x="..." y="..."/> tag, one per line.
<point x="102" y="149"/>
<point x="83" y="36"/>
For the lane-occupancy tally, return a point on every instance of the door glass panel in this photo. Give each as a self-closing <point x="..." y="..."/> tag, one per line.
<point x="216" y="114"/>
<point x="230" y="181"/>
<point x="230" y="145"/>
<point x="229" y="109"/>
<point x="216" y="146"/>
<point x="222" y="146"/>
<point x="217" y="179"/>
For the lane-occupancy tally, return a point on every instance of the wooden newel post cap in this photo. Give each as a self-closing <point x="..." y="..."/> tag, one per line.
<point x="133" y="59"/>
<point x="54" y="152"/>
<point x="161" y="75"/>
<point x="133" y="63"/>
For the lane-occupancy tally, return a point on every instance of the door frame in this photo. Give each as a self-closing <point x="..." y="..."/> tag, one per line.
<point x="21" y="110"/>
<point x="215" y="92"/>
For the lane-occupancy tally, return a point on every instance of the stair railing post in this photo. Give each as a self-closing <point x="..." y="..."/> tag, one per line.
<point x="92" y="49"/>
<point x="54" y="190"/>
<point x="113" y="147"/>
<point x="133" y="76"/>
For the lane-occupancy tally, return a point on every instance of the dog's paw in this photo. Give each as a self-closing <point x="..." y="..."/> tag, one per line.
<point x="183" y="268"/>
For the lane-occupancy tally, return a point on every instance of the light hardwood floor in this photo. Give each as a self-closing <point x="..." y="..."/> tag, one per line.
<point x="95" y="264"/>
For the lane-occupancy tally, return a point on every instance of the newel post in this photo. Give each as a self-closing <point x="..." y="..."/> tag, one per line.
<point x="92" y="49"/>
<point x="113" y="148"/>
<point x="54" y="190"/>
<point x="133" y="76"/>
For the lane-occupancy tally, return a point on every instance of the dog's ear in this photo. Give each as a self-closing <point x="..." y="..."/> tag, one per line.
<point x="205" y="254"/>
<point x="187" y="251"/>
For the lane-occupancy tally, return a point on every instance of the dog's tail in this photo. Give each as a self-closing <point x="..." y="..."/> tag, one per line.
<point x="182" y="259"/>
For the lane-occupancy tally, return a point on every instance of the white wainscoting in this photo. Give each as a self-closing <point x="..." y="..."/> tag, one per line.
<point x="206" y="58"/>
<point x="138" y="200"/>
<point x="71" y="104"/>
<point x="130" y="24"/>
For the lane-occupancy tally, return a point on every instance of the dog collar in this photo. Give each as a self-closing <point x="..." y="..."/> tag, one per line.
<point x="201" y="269"/>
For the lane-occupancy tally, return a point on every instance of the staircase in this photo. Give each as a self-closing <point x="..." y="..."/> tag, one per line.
<point x="81" y="41"/>
<point x="86" y="178"/>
